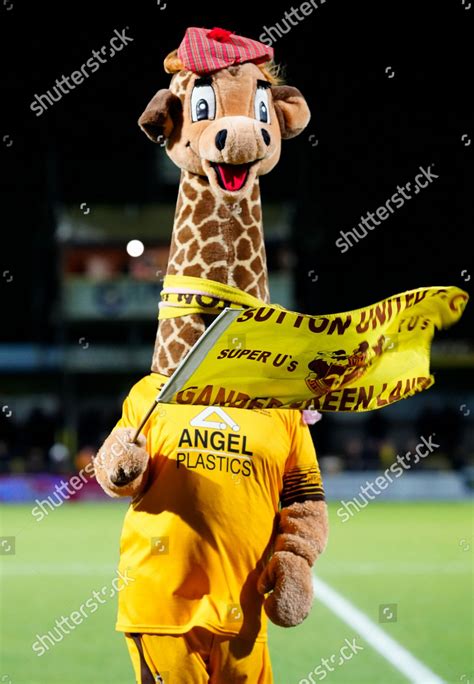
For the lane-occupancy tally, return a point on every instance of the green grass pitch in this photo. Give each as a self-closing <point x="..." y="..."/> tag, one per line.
<point x="418" y="556"/>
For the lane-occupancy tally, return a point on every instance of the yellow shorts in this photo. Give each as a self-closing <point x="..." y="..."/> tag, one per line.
<point x="198" y="657"/>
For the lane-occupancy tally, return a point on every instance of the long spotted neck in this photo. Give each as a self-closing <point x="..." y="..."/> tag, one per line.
<point x="216" y="241"/>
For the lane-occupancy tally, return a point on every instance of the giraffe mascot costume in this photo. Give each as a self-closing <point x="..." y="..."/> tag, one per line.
<point x="227" y="516"/>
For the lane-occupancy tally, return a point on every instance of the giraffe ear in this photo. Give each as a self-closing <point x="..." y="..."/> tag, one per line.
<point x="292" y="111"/>
<point x="162" y="114"/>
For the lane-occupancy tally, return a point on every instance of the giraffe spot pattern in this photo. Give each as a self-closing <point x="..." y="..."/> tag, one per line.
<point x="176" y="351"/>
<point x="218" y="273"/>
<point x="199" y="248"/>
<point x="179" y="83"/>
<point x="192" y="250"/>
<point x="244" y="249"/>
<point x="189" y="192"/>
<point x="246" y="216"/>
<point x="254" y="235"/>
<point x="194" y="270"/>
<point x="185" y="234"/>
<point x="256" y="265"/>
<point x="209" y="229"/>
<point x="212" y="252"/>
<point x="179" y="258"/>
<point x="243" y="277"/>
<point x="204" y="208"/>
<point x="171" y="345"/>
<point x="262" y="282"/>
<point x="186" y="213"/>
<point x="256" y="213"/>
<point x="179" y="205"/>
<point x="190" y="335"/>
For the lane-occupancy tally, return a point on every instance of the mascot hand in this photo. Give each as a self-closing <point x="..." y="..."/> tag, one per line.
<point x="289" y="579"/>
<point x="121" y="467"/>
<point x="301" y="538"/>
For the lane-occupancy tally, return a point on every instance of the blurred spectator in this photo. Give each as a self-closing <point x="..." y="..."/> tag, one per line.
<point x="83" y="457"/>
<point x="41" y="442"/>
<point x="377" y="447"/>
<point x="39" y="430"/>
<point x="7" y="441"/>
<point x="91" y="426"/>
<point x="427" y="421"/>
<point x="99" y="267"/>
<point x="4" y="457"/>
<point x="448" y="426"/>
<point x="377" y="426"/>
<point x="36" y="460"/>
<point x="387" y="453"/>
<point x="452" y="428"/>
<point x="354" y="454"/>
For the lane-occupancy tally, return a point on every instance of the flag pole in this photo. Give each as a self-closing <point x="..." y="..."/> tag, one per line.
<point x="144" y="421"/>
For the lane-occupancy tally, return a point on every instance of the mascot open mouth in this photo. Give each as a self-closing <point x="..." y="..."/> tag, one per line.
<point x="231" y="177"/>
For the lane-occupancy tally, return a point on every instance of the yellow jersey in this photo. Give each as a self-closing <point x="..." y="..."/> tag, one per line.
<point x="197" y="539"/>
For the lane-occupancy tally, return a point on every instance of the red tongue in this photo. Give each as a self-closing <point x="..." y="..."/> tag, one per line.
<point x="232" y="176"/>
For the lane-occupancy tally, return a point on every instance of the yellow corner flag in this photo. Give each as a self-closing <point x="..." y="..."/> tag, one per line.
<point x="267" y="357"/>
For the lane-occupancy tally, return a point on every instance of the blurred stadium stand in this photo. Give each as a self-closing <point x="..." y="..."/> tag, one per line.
<point x="79" y="315"/>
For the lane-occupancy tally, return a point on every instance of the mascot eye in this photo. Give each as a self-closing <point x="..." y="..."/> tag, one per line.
<point x="262" y="110"/>
<point x="203" y="103"/>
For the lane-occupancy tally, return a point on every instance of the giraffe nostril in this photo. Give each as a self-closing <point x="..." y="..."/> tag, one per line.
<point x="220" y="139"/>
<point x="266" y="136"/>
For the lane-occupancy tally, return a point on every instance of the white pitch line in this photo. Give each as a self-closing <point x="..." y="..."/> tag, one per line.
<point x="369" y="568"/>
<point x="414" y="670"/>
<point x="55" y="569"/>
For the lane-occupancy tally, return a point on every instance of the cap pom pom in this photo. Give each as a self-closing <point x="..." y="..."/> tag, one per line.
<point x="220" y="34"/>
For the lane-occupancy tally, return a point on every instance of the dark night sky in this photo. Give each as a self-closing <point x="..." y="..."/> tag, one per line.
<point x="373" y="133"/>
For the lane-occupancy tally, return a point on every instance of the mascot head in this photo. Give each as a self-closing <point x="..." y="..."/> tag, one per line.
<point x="224" y="114"/>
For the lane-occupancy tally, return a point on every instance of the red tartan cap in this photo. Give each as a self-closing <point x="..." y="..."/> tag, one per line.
<point x="203" y="50"/>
